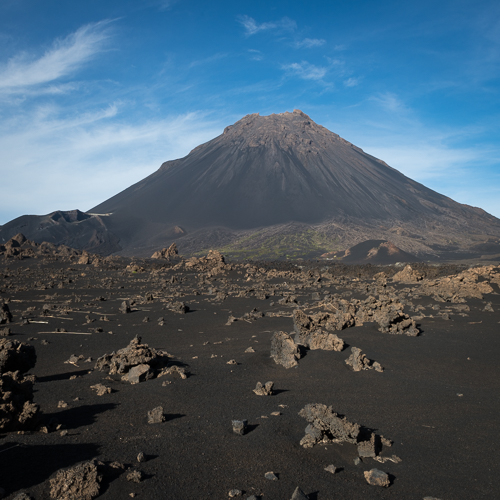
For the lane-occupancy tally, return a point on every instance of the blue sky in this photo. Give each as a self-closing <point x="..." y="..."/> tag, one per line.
<point x="95" y="95"/>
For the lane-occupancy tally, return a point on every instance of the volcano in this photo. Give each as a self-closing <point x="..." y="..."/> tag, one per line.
<point x="274" y="186"/>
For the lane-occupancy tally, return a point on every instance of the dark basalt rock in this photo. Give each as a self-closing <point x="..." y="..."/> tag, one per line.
<point x="16" y="356"/>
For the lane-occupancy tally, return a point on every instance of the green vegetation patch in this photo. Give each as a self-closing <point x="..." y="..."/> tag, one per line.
<point x="260" y="245"/>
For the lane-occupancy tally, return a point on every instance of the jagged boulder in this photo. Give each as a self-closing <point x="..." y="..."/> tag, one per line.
<point x="16" y="356"/>
<point x="166" y="253"/>
<point x="359" y="362"/>
<point x="308" y="332"/>
<point x="264" y="389"/>
<point x="408" y="275"/>
<point x="325" y="424"/>
<point x="136" y="363"/>
<point x="462" y="286"/>
<point x="284" y="351"/>
<point x="82" y="482"/>
<point x="389" y="313"/>
<point x="5" y="314"/>
<point x="17" y="410"/>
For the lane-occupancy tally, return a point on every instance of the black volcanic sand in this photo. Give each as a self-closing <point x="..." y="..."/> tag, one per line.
<point x="437" y="398"/>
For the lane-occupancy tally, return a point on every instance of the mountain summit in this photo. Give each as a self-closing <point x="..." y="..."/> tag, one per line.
<point x="267" y="170"/>
<point x="273" y="179"/>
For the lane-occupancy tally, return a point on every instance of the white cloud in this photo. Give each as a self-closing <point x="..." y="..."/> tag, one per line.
<point x="82" y="161"/>
<point x="424" y="160"/>
<point x="305" y="70"/>
<point x="24" y="72"/>
<point x="390" y="102"/>
<point x="252" y="27"/>
<point x="207" y="60"/>
<point x="351" y="82"/>
<point x="256" y="55"/>
<point x="309" y="43"/>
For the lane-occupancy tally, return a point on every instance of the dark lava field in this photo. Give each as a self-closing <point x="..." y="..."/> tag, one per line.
<point x="145" y="370"/>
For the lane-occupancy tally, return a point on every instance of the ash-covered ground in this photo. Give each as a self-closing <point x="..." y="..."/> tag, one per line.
<point x="151" y="378"/>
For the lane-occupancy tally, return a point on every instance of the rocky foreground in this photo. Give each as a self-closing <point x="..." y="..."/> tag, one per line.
<point x="201" y="378"/>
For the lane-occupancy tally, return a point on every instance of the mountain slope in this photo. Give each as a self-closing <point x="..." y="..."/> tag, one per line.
<point x="270" y="176"/>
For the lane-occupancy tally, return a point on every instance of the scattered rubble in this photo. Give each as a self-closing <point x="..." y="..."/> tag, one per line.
<point x="136" y="363"/>
<point x="461" y="286"/>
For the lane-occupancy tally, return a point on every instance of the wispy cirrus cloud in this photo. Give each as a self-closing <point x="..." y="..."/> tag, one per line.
<point x="390" y="102"/>
<point x="309" y="43"/>
<point x="305" y="70"/>
<point x="252" y="27"/>
<point x="351" y="82"/>
<point x="79" y="161"/>
<point x="24" y="72"/>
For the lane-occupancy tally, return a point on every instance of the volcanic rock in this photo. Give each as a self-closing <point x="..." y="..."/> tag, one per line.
<point x="5" y="314"/>
<point x="376" y="477"/>
<point x="135" y="476"/>
<point x="328" y="425"/>
<point x="240" y="426"/>
<point x="16" y="356"/>
<point x="136" y="362"/>
<point x="156" y="416"/>
<point x="125" y="307"/>
<point x="309" y="333"/>
<point x="408" y="275"/>
<point x="360" y="362"/>
<point x="81" y="482"/>
<point x="464" y="285"/>
<point x="101" y="389"/>
<point x="298" y="494"/>
<point x="17" y="410"/>
<point x="264" y="390"/>
<point x="166" y="253"/>
<point x="284" y="351"/>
